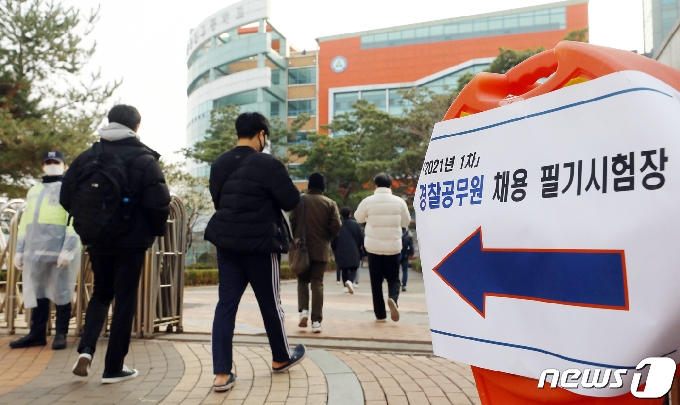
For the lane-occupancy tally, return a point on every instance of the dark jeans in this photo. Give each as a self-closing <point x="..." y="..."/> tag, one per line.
<point x="236" y="270"/>
<point x="349" y="274"/>
<point x="116" y="275"/>
<point x="382" y="267"/>
<point x="404" y="272"/>
<point x="338" y="274"/>
<point x="313" y="275"/>
<point x="41" y="314"/>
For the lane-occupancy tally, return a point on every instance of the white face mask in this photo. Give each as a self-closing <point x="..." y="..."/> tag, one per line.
<point x="54" y="170"/>
<point x="267" y="147"/>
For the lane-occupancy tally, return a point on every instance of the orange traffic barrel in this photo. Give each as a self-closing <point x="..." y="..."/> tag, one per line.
<point x="568" y="64"/>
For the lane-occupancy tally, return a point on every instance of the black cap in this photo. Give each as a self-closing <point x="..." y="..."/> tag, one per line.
<point x="53" y="155"/>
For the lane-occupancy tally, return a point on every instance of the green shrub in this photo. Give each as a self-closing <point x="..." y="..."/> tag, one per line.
<point x="200" y="277"/>
<point x="286" y="273"/>
<point x="416" y="265"/>
<point x="196" y="277"/>
<point x="200" y="266"/>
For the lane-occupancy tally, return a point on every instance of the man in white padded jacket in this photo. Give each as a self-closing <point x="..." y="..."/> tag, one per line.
<point x="385" y="215"/>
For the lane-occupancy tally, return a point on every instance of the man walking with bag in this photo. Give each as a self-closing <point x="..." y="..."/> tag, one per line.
<point x="316" y="220"/>
<point x="385" y="215"/>
<point x="249" y="190"/>
<point x="117" y="196"/>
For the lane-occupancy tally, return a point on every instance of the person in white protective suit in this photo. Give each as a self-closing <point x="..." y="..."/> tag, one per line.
<point x="48" y="253"/>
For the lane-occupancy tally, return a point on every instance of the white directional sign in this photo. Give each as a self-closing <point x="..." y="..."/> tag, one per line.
<point x="549" y="231"/>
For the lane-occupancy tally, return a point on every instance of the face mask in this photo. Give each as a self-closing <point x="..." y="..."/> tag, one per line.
<point x="266" y="146"/>
<point x="54" y="170"/>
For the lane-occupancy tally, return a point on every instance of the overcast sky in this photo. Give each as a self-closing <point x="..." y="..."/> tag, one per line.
<point x="144" y="42"/>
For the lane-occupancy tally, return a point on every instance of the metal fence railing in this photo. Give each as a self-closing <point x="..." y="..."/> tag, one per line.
<point x="161" y="287"/>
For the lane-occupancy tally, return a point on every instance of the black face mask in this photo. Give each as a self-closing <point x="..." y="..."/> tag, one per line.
<point x="262" y="145"/>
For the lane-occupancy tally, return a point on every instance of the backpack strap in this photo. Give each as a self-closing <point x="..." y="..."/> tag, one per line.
<point x="304" y="216"/>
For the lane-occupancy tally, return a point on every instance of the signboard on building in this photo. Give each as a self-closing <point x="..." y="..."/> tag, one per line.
<point x="549" y="228"/>
<point x="232" y="17"/>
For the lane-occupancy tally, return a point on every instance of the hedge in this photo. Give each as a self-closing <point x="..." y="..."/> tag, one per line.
<point x="416" y="265"/>
<point x="193" y="277"/>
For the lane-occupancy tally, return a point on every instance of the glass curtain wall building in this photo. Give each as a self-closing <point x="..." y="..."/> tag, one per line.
<point x="235" y="56"/>
<point x="659" y="17"/>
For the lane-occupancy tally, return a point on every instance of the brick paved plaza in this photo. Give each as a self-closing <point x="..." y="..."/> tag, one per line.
<point x="354" y="360"/>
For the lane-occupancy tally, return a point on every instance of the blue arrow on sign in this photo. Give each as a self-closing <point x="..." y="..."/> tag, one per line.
<point x="588" y="278"/>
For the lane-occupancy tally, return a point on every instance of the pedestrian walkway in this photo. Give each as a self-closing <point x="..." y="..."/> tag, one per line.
<point x="181" y="373"/>
<point x="345" y="316"/>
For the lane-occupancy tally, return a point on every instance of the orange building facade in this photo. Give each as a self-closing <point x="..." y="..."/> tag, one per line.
<point x="374" y="65"/>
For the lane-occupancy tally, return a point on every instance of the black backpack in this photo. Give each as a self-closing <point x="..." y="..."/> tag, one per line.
<point x="101" y="198"/>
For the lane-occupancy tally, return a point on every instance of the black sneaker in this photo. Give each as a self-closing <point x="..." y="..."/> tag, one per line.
<point x="122" y="375"/>
<point x="28" y="341"/>
<point x="226" y="387"/>
<point x="82" y="366"/>
<point x="298" y="355"/>
<point x="59" y="342"/>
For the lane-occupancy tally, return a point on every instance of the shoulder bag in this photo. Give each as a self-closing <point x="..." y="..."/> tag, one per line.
<point x="298" y="255"/>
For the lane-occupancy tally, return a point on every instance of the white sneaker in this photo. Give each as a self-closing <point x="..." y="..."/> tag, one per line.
<point x="82" y="366"/>
<point x="345" y="290"/>
<point x="349" y="287"/>
<point x="355" y="285"/>
<point x="394" y="311"/>
<point x="337" y="282"/>
<point x="316" y="327"/>
<point x="304" y="316"/>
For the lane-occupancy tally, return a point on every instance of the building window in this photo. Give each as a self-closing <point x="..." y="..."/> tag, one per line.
<point x="274" y="109"/>
<point x="342" y="102"/>
<point x="276" y="76"/>
<point x="305" y="75"/>
<point x="298" y="107"/>
<point x="377" y="97"/>
<point x="534" y="21"/>
<point x="244" y="97"/>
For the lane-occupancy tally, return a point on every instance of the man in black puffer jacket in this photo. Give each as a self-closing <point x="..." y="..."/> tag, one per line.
<point x="117" y="262"/>
<point x="249" y="190"/>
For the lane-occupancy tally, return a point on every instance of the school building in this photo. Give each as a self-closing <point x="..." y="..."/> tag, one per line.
<point x="237" y="56"/>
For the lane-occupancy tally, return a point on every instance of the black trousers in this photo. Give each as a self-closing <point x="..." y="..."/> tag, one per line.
<point x="41" y="314"/>
<point x="116" y="276"/>
<point x="382" y="267"/>
<point x="236" y="270"/>
<point x="349" y="274"/>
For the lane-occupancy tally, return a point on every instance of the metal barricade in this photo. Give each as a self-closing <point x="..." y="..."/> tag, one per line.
<point x="161" y="292"/>
<point x="160" y="295"/>
<point x="12" y="301"/>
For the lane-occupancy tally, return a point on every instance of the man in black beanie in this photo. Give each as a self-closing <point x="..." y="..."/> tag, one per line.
<point x="318" y="216"/>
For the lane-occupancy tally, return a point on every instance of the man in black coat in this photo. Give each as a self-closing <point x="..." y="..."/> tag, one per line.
<point x="117" y="262"/>
<point x="348" y="247"/>
<point x="249" y="190"/>
<point x="405" y="255"/>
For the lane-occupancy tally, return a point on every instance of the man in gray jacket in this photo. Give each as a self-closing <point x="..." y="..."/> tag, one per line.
<point x="322" y="221"/>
